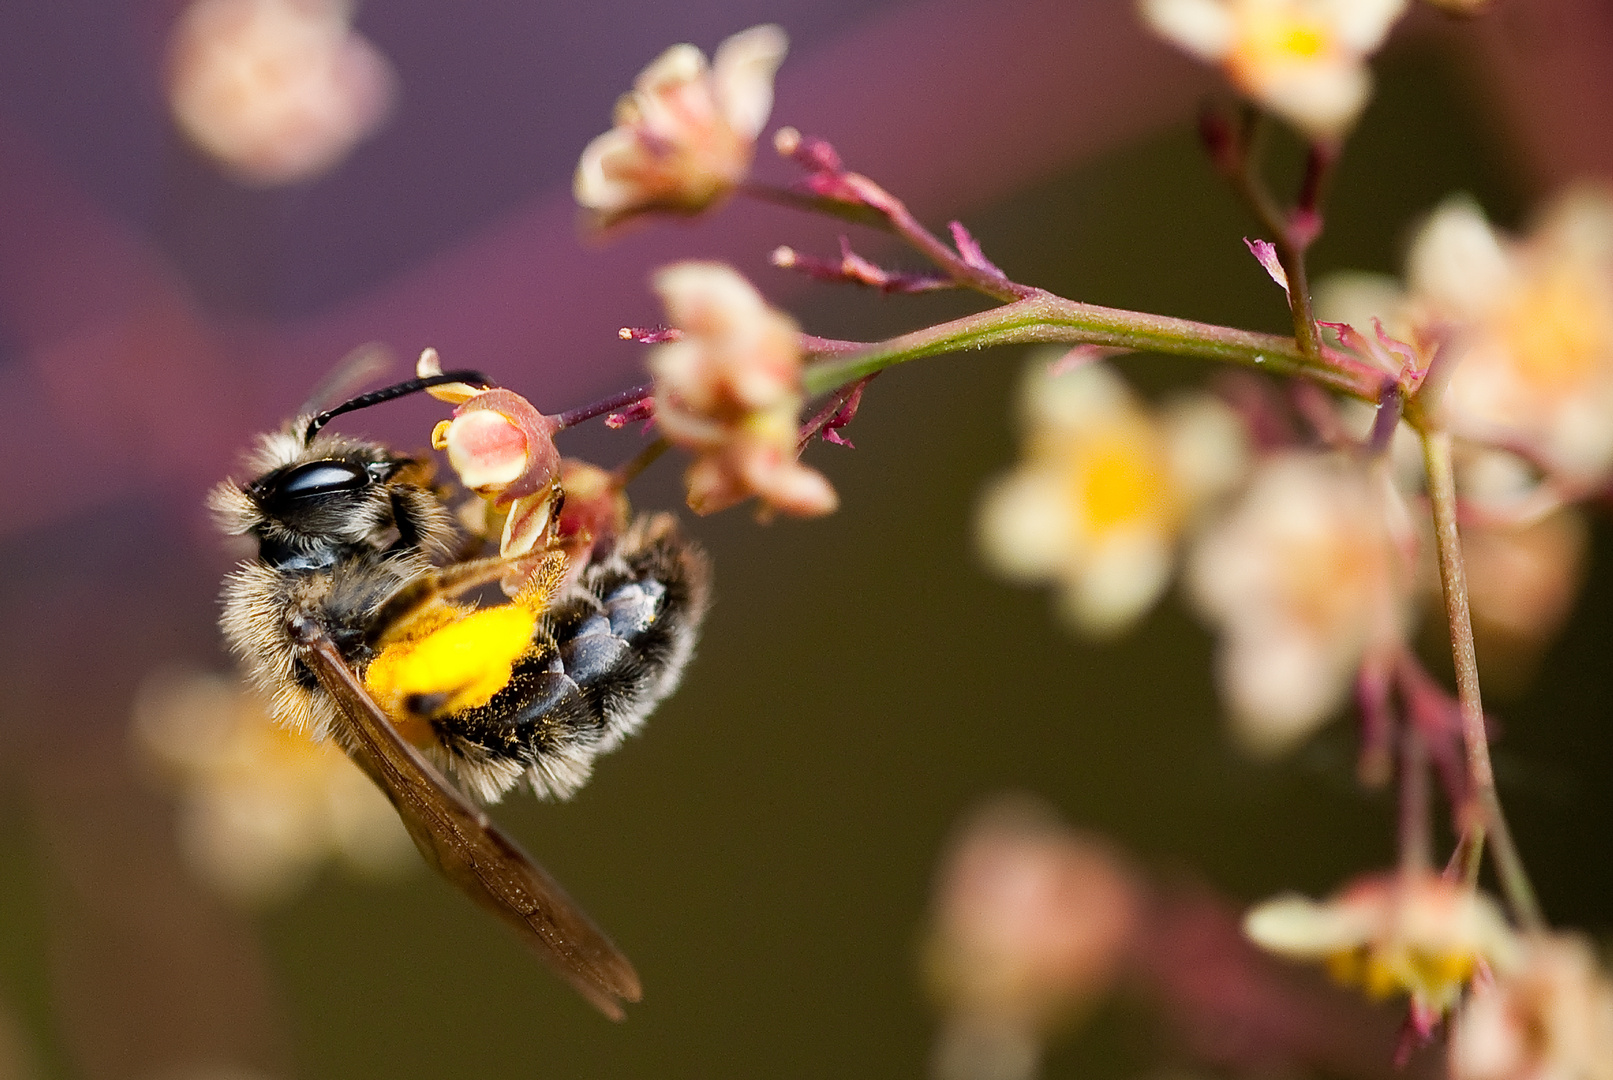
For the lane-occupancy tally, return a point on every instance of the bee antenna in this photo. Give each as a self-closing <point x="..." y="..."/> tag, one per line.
<point x="388" y="393"/>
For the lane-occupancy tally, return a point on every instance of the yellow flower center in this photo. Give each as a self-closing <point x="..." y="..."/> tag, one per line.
<point x="1433" y="978"/>
<point x="1121" y="482"/>
<point x="1268" y="38"/>
<point x="1558" y="329"/>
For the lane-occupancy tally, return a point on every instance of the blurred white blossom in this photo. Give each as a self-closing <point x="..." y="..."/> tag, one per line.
<point x="1550" y="1019"/>
<point x="277" y="90"/>
<point x="1527" y="322"/>
<point x="1305" y="60"/>
<point x="1104" y="490"/>
<point x="686" y="134"/>
<point x="729" y="389"/>
<point x="1303" y="576"/>
<point x="1031" y="921"/>
<point x="1522" y="578"/>
<point x="260" y="806"/>
<point x="1418" y="934"/>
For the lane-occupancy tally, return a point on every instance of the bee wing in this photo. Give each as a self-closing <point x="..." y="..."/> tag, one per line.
<point x="461" y="841"/>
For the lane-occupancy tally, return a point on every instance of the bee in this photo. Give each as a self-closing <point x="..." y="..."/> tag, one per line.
<point x="356" y="551"/>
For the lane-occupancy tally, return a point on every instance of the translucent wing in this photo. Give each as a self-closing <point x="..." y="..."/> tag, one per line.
<point x="458" y="839"/>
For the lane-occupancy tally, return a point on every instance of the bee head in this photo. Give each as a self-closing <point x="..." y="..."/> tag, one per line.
<point x="320" y="497"/>
<point x="314" y="504"/>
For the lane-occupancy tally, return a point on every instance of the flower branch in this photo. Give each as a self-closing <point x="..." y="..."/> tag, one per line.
<point x="1043" y="318"/>
<point x="1486" y="820"/>
<point x="830" y="188"/>
<point x="1237" y="152"/>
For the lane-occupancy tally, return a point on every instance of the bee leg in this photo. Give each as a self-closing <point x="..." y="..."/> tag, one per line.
<point x="422" y="596"/>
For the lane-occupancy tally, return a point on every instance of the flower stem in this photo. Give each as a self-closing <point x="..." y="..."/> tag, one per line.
<point x="867" y="203"/>
<point x="1290" y="237"/>
<point x="572" y="417"/>
<point x="1043" y="318"/>
<point x="628" y="471"/>
<point x="1491" y="822"/>
<point x="1416" y="843"/>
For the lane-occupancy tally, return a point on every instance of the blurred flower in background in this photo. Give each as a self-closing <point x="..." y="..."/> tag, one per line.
<point x="1551" y="1019"/>
<point x="1303" y="578"/>
<point x="1529" y="323"/>
<point x="1533" y="322"/>
<point x="686" y="134"/>
<point x="1031" y="922"/>
<point x="1418" y="934"/>
<point x="260" y="806"/>
<point x="1104" y="490"/>
<point x="1305" y="60"/>
<point x="1525" y="558"/>
<point x="728" y="388"/>
<point x="277" y="90"/>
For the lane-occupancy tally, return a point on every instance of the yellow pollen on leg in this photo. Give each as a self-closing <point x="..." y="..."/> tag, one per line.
<point x="457" y="666"/>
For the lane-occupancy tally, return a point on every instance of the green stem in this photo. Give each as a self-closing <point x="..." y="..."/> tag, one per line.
<point x="1247" y="178"/>
<point x="1044" y="318"/>
<point x="1481" y="774"/>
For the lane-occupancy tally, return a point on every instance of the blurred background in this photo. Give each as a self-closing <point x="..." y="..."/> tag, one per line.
<point x="764" y="850"/>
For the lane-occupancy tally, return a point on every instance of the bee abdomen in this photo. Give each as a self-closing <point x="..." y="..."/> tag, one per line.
<point x="608" y="652"/>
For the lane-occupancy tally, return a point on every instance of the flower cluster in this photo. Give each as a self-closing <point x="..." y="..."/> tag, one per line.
<point x="729" y="389"/>
<point x="1306" y="570"/>
<point x="1417" y="934"/>
<point x="1528" y="323"/>
<point x="277" y="90"/>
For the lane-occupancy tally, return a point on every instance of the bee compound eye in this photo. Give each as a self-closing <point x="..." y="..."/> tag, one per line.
<point x="317" y="478"/>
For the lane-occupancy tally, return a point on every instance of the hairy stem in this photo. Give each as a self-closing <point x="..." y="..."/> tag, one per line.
<point x="1043" y="318"/>
<point x="1453" y="577"/>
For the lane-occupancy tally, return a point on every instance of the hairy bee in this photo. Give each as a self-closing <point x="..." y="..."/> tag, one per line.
<point x="355" y="545"/>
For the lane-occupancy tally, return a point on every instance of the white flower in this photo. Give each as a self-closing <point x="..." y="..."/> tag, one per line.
<point x="1302" y="59"/>
<point x="1551" y="1019"/>
<point x="277" y="90"/>
<point x="1302" y="578"/>
<point x="1392" y="933"/>
<point x="1103" y="491"/>
<point x="1533" y="321"/>
<point x="686" y="134"/>
<point x="1527" y="325"/>
<point x="261" y="806"/>
<point x="729" y="388"/>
